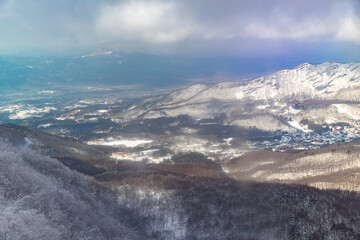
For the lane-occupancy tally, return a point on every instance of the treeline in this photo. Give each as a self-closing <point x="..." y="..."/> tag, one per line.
<point x="219" y="208"/>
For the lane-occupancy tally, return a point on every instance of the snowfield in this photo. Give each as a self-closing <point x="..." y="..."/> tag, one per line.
<point x="268" y="94"/>
<point x="118" y="142"/>
<point x="305" y="81"/>
<point x="22" y="111"/>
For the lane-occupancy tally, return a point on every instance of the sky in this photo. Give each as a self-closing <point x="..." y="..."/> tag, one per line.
<point x="306" y="30"/>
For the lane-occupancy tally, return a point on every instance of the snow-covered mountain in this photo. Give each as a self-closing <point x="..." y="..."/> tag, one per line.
<point x="43" y="199"/>
<point x="323" y="81"/>
<point x="265" y="97"/>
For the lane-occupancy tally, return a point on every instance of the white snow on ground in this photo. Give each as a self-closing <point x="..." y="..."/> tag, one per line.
<point x="46" y="92"/>
<point x="62" y="118"/>
<point x="131" y="108"/>
<point x="352" y="112"/>
<point x="263" y="122"/>
<point x="323" y="81"/>
<point x="293" y="110"/>
<point x="262" y="107"/>
<point x="103" y="101"/>
<point x="102" y="110"/>
<point x="70" y="115"/>
<point x="228" y="140"/>
<point x="258" y="173"/>
<point x="78" y="151"/>
<point x="75" y="106"/>
<point x="118" y="142"/>
<point x="28" y="142"/>
<point x="22" y="111"/>
<point x="213" y="150"/>
<point x="179" y="144"/>
<point x="45" y="125"/>
<point x="97" y="54"/>
<point x="146" y="155"/>
<point x="189" y="130"/>
<point x="239" y="95"/>
<point x="331" y="120"/>
<point x="296" y="124"/>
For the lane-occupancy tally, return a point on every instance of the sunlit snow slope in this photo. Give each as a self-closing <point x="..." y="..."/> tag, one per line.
<point x="327" y="81"/>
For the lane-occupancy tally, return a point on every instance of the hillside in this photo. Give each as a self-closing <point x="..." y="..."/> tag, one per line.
<point x="320" y="93"/>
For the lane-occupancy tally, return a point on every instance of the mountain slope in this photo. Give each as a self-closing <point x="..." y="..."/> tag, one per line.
<point x="74" y="154"/>
<point x="42" y="199"/>
<point x="274" y="97"/>
<point x="333" y="167"/>
<point x="48" y="144"/>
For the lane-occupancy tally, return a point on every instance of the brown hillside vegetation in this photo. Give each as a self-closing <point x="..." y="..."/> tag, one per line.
<point x="332" y="167"/>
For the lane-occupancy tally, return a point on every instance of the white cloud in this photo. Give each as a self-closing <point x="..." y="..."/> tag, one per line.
<point x="176" y="25"/>
<point x="299" y="31"/>
<point x="176" y="21"/>
<point x="156" y="22"/>
<point x="349" y="30"/>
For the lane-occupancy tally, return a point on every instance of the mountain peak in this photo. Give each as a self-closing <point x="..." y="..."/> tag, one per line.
<point x="305" y="64"/>
<point x="327" y="81"/>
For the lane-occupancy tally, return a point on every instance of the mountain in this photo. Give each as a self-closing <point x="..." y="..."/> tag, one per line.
<point x="276" y="157"/>
<point x="74" y="154"/>
<point x="331" y="167"/>
<point x="43" y="199"/>
<point x="94" y="157"/>
<point x="278" y="101"/>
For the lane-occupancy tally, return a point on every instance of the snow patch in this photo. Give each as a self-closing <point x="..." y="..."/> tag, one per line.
<point x="45" y="125"/>
<point x="296" y="124"/>
<point x="28" y="142"/>
<point x="22" y="111"/>
<point x="348" y="110"/>
<point x="46" y="92"/>
<point x="119" y="142"/>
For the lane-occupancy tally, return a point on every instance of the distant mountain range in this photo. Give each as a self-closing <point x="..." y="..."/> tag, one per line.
<point x="269" y="102"/>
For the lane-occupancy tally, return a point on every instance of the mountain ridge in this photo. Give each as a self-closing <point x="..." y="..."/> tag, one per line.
<point x="326" y="81"/>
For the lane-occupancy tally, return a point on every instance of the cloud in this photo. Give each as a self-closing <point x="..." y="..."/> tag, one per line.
<point x="176" y="21"/>
<point x="349" y="30"/>
<point x="334" y="22"/>
<point x="154" y="22"/>
<point x="176" y="25"/>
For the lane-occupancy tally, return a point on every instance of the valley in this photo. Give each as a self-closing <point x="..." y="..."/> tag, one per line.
<point x="151" y="153"/>
<point x="179" y="120"/>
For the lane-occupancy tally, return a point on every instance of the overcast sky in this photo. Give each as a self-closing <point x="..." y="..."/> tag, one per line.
<point x="264" y="28"/>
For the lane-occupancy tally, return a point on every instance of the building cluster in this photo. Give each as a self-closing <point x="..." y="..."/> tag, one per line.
<point x="300" y="140"/>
